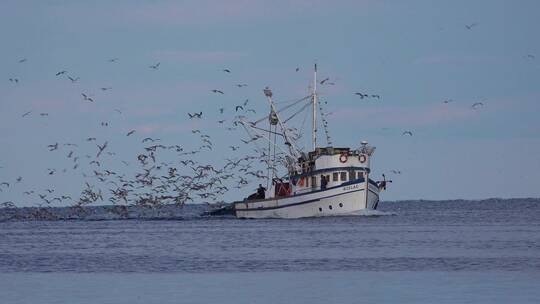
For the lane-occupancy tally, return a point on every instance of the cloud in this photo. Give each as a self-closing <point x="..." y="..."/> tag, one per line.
<point x="406" y="116"/>
<point x="459" y="59"/>
<point x="208" y="12"/>
<point x="199" y="56"/>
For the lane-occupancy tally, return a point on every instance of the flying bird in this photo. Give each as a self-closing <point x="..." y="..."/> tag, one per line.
<point x="113" y="60"/>
<point x="101" y="148"/>
<point x="447" y="101"/>
<point x="61" y="73"/>
<point x="241" y="85"/>
<point x="477" y="105"/>
<point x="86" y="97"/>
<point x="226" y="70"/>
<point x="470" y="26"/>
<point x="155" y="66"/>
<point x="23" y="60"/>
<point x="407" y="133"/>
<point x="217" y="91"/>
<point x="195" y="115"/>
<point x="53" y="147"/>
<point x="73" y="80"/>
<point x="361" y="95"/>
<point x="239" y="107"/>
<point x="130" y="132"/>
<point x="26" y="114"/>
<point x="324" y="80"/>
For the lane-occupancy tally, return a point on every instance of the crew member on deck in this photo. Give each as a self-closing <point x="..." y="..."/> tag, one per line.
<point x="324" y="182"/>
<point x="261" y="191"/>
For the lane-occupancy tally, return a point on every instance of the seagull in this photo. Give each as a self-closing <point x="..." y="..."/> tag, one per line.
<point x="324" y="80"/>
<point x="16" y="80"/>
<point x="297" y="69"/>
<point x="155" y="66"/>
<point x="105" y="89"/>
<point x="530" y="56"/>
<point x="43" y="114"/>
<point x="113" y="60"/>
<point x="26" y="114"/>
<point x="239" y="107"/>
<point x="221" y="110"/>
<point x="23" y="60"/>
<point x="130" y="132"/>
<point x="101" y="148"/>
<point x="376" y="96"/>
<point x="73" y="79"/>
<point x="447" y="101"/>
<point x="195" y="115"/>
<point x="226" y="70"/>
<point x="407" y="133"/>
<point x="361" y="95"/>
<point x="217" y="91"/>
<point x="470" y="26"/>
<point x="241" y="85"/>
<point x="53" y="147"/>
<point x="86" y="97"/>
<point x="477" y="105"/>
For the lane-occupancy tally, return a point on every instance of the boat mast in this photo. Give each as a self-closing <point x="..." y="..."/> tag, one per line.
<point x="314" y="98"/>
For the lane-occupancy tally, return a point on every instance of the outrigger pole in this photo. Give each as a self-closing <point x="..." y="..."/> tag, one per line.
<point x="314" y="99"/>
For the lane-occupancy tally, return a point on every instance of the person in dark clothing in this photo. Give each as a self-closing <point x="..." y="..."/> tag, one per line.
<point x="324" y="182"/>
<point x="261" y="191"/>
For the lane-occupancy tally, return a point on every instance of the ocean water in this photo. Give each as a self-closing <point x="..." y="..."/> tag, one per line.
<point x="406" y="252"/>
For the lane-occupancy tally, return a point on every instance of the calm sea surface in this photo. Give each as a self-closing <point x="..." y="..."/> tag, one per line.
<point x="406" y="252"/>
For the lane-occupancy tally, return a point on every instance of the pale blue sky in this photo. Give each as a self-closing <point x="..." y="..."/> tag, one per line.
<point x="415" y="54"/>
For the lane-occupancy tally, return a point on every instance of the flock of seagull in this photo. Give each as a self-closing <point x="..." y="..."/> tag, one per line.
<point x="156" y="182"/>
<point x="155" y="179"/>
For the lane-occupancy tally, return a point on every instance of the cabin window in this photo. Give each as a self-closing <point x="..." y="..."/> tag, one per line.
<point x="351" y="175"/>
<point x="359" y="174"/>
<point x="335" y="176"/>
<point x="343" y="176"/>
<point x="313" y="181"/>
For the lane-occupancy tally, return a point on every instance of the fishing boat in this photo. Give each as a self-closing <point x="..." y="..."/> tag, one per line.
<point x="326" y="181"/>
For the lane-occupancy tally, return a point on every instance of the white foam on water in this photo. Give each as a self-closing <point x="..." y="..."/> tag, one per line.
<point x="369" y="212"/>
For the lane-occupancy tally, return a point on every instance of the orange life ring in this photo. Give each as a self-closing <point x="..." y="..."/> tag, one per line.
<point x="343" y="157"/>
<point x="362" y="158"/>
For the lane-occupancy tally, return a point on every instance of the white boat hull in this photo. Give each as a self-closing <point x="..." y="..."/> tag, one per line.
<point x="345" y="199"/>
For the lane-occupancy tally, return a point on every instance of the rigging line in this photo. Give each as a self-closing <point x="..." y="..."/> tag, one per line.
<point x="267" y="130"/>
<point x="246" y="125"/>
<point x="290" y="100"/>
<point x="297" y="112"/>
<point x="283" y="109"/>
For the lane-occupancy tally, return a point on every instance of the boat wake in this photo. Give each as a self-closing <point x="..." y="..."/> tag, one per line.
<point x="367" y="212"/>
